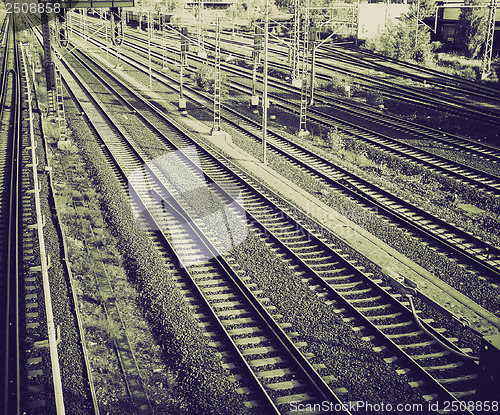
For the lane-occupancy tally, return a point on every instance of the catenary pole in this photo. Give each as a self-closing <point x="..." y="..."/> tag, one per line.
<point x="264" y="93"/>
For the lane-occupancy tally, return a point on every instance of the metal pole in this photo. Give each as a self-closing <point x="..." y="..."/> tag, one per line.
<point x="488" y="49"/>
<point x="416" y="27"/>
<point x="233" y="18"/>
<point x="201" y="39"/>
<point x="305" y="66"/>
<point x="149" y="50"/>
<point x="84" y="14"/>
<point x="264" y="93"/>
<point x="164" y="43"/>
<point x="313" y="62"/>
<point x="107" y="40"/>
<point x="295" y="44"/>
<point x="181" y="89"/>
<point x="254" y="79"/>
<point x="118" y="45"/>
<point x="356" y="39"/>
<point x="217" y="86"/>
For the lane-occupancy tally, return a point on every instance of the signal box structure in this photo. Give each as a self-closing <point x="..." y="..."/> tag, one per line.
<point x="488" y="382"/>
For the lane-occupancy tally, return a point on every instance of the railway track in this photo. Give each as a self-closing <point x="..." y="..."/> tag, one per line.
<point x="413" y="95"/>
<point x="415" y="72"/>
<point x="431" y="137"/>
<point x="372" y="61"/>
<point x="472" y="251"/>
<point x="31" y="377"/>
<point x="10" y="210"/>
<point x="415" y="131"/>
<point x="262" y="350"/>
<point x="363" y="301"/>
<point x="478" y="179"/>
<point x="122" y="344"/>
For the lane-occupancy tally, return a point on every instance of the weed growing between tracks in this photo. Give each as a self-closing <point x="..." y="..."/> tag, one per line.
<point x="201" y="384"/>
<point x="76" y="391"/>
<point x="399" y="166"/>
<point x="395" y="175"/>
<point x="91" y="246"/>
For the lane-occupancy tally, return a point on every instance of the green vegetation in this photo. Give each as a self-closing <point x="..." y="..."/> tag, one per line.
<point x="404" y="41"/>
<point x="471" y="30"/>
<point x="205" y="79"/>
<point x="203" y="385"/>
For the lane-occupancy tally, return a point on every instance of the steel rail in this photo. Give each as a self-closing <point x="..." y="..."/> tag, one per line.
<point x="386" y="119"/>
<point x="309" y="271"/>
<point x="294" y="354"/>
<point x="403" y="93"/>
<point x="351" y="187"/>
<point x="51" y="328"/>
<point x="490" y="152"/>
<point x="389" y="145"/>
<point x="11" y="379"/>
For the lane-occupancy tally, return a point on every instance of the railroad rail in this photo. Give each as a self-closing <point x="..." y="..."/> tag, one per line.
<point x="417" y="73"/>
<point x="264" y="352"/>
<point x="10" y="211"/>
<point x="369" y="60"/>
<point x="355" y="294"/>
<point x="30" y="360"/>
<point x="488" y="182"/>
<point x="414" y="130"/>
<point x="420" y="96"/>
<point x="484" y="257"/>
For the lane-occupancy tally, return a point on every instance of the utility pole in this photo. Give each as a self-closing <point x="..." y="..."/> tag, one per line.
<point x="303" y="88"/>
<point x="84" y="21"/>
<point x="312" y="47"/>
<point x="417" y="16"/>
<point x="202" y="53"/>
<point x="216" y="124"/>
<point x="256" y="61"/>
<point x="149" y="50"/>
<point x="103" y="15"/>
<point x="387" y="13"/>
<point x="264" y="90"/>
<point x="164" y="28"/>
<point x="295" y="71"/>
<point x="488" y="46"/>
<point x="183" y="57"/>
<point x="47" y="62"/>
<point x="356" y="25"/>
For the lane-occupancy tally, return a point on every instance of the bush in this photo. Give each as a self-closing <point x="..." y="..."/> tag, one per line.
<point x="201" y="379"/>
<point x="338" y="83"/>
<point x="335" y="140"/>
<point x="469" y="73"/>
<point x="373" y="97"/>
<point x="204" y="78"/>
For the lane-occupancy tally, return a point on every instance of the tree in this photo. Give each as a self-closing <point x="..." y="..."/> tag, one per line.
<point x="471" y="29"/>
<point x="403" y="41"/>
